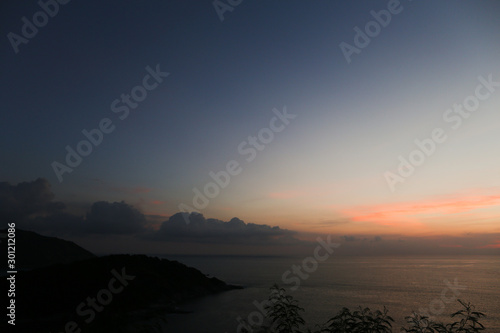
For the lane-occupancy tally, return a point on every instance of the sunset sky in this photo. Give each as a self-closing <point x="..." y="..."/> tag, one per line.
<point x="313" y="137"/>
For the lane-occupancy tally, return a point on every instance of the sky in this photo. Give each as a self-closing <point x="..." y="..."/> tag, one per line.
<point x="373" y="121"/>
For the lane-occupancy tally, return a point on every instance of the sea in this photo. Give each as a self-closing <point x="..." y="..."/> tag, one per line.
<point x="425" y="285"/>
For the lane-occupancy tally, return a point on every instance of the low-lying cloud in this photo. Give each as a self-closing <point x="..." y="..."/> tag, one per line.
<point x="31" y="205"/>
<point x="18" y="202"/>
<point x="201" y="229"/>
<point x="117" y="217"/>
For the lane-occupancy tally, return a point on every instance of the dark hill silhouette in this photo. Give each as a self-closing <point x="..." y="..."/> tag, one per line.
<point x="47" y="298"/>
<point x="34" y="250"/>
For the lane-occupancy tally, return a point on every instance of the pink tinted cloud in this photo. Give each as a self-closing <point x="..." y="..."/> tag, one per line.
<point x="491" y="246"/>
<point x="412" y="213"/>
<point x="158" y="202"/>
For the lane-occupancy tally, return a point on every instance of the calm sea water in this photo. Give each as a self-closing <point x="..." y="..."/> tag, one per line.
<point x="402" y="284"/>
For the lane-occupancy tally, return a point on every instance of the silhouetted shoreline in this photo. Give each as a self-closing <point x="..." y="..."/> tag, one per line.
<point x="113" y="293"/>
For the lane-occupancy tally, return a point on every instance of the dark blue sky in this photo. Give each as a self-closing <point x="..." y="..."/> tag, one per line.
<point x="225" y="78"/>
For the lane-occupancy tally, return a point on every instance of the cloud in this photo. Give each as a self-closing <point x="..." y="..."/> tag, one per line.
<point x="27" y="199"/>
<point x="387" y="244"/>
<point x="200" y="229"/>
<point x="326" y="225"/>
<point x="117" y="218"/>
<point x="31" y="205"/>
<point x="470" y="205"/>
<point x="102" y="218"/>
<point x="329" y="223"/>
<point x="349" y="238"/>
<point x="496" y="245"/>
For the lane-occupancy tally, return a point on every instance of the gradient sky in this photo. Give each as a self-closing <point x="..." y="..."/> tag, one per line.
<point x="324" y="172"/>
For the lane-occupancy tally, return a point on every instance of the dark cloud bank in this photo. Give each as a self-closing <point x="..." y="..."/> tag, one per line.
<point x="31" y="206"/>
<point x="181" y="227"/>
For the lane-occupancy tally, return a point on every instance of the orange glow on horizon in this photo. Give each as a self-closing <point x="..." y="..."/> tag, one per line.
<point x="426" y="216"/>
<point x="491" y="246"/>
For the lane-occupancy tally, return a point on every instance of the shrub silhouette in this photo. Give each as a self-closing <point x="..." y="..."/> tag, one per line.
<point x="362" y="320"/>
<point x="284" y="311"/>
<point x="283" y="316"/>
<point x="469" y="322"/>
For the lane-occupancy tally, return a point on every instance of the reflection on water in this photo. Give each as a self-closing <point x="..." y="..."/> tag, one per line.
<point x="401" y="284"/>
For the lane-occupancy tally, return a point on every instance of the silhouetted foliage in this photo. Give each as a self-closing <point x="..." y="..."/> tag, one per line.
<point x="469" y="322"/>
<point x="283" y="316"/>
<point x="284" y="311"/>
<point x="362" y="320"/>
